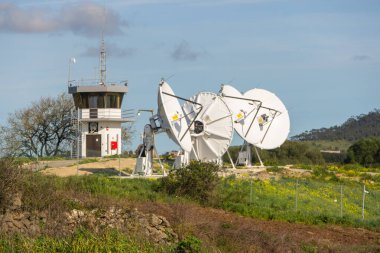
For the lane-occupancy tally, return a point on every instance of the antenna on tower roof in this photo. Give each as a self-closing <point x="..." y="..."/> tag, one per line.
<point x="102" y="62"/>
<point x="102" y="56"/>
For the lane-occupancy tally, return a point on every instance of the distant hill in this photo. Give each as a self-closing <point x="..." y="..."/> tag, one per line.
<point x="355" y="128"/>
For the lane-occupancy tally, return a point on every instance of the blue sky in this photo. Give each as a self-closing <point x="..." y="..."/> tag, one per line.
<point x="321" y="57"/>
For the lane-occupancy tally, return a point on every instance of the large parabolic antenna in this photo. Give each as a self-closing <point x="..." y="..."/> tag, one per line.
<point x="172" y="117"/>
<point x="260" y="117"/>
<point x="270" y="128"/>
<point x="212" y="128"/>
<point x="242" y="108"/>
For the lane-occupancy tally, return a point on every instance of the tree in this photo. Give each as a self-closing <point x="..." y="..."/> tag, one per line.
<point x="43" y="129"/>
<point x="365" y="151"/>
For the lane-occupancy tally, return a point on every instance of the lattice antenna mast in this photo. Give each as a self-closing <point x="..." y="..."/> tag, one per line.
<point x="102" y="62"/>
<point x="103" y="56"/>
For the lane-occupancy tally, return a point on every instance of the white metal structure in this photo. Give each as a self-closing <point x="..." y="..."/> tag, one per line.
<point x="271" y="126"/>
<point x="203" y="127"/>
<point x="243" y="109"/>
<point x="170" y="119"/>
<point x="212" y="131"/>
<point x="260" y="118"/>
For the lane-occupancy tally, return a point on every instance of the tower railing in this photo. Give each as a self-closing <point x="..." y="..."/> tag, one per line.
<point x="92" y="82"/>
<point x="107" y="113"/>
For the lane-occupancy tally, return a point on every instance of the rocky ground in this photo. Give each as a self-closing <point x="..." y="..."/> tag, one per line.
<point x="130" y="221"/>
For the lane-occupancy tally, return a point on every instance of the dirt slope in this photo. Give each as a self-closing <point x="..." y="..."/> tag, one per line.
<point x="232" y="233"/>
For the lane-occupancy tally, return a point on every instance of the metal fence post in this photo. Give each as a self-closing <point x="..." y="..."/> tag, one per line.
<point x="341" y="200"/>
<point x="364" y="192"/>
<point x="250" y="193"/>
<point x="297" y="195"/>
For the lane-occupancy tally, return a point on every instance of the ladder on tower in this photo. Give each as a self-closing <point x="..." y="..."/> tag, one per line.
<point x="76" y="144"/>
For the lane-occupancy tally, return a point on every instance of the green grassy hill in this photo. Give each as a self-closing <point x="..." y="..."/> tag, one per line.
<point x="355" y="128"/>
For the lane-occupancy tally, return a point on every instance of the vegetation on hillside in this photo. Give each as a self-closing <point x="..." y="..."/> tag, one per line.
<point x="79" y="242"/>
<point x="315" y="200"/>
<point x="365" y="151"/>
<point x="197" y="181"/>
<point x="355" y="128"/>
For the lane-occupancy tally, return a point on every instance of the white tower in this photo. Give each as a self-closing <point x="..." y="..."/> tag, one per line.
<point x="99" y="115"/>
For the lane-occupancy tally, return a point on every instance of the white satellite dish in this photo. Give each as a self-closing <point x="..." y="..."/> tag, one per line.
<point x="270" y="126"/>
<point x="212" y="130"/>
<point x="172" y="117"/>
<point x="260" y="117"/>
<point x="243" y="109"/>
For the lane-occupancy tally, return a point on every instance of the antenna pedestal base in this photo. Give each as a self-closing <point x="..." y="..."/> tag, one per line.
<point x="143" y="166"/>
<point x="181" y="161"/>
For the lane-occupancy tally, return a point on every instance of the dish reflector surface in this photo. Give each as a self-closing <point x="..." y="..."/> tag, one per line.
<point x="212" y="130"/>
<point x="172" y="116"/>
<point x="271" y="126"/>
<point x="242" y="108"/>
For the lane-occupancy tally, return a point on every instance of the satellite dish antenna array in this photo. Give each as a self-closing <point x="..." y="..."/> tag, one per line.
<point x="203" y="127"/>
<point x="260" y="119"/>
<point x="170" y="119"/>
<point x="212" y="131"/>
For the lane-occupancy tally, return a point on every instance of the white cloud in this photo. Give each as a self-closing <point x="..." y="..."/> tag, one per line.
<point x="84" y="18"/>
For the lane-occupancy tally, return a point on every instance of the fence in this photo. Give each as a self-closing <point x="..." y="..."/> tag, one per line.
<point x="306" y="200"/>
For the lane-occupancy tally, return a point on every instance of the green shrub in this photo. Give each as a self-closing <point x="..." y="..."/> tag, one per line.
<point x="189" y="244"/>
<point x="308" y="248"/>
<point x="197" y="181"/>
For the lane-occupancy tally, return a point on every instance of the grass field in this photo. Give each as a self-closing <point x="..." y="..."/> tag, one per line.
<point x="315" y="199"/>
<point x="81" y="241"/>
<point x="304" y="200"/>
<point x="308" y="200"/>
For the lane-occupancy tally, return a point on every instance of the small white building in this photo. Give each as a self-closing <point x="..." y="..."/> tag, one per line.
<point x="99" y="118"/>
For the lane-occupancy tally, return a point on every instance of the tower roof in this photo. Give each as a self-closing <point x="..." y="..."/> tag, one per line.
<point x="98" y="88"/>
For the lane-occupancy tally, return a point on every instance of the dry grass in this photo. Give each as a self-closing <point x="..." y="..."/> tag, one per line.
<point x="105" y="166"/>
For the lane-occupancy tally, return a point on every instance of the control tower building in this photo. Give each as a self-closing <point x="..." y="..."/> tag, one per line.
<point x="98" y="116"/>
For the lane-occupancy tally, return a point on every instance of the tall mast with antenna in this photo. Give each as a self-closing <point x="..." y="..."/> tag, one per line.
<point x="102" y="56"/>
<point x="102" y="62"/>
